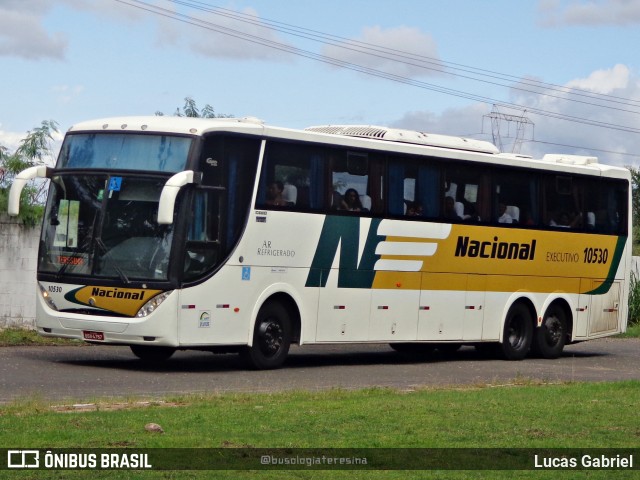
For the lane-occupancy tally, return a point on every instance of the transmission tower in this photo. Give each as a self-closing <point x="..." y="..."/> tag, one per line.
<point x="520" y="123"/>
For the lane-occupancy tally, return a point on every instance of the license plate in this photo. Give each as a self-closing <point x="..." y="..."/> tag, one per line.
<point x="93" y="335"/>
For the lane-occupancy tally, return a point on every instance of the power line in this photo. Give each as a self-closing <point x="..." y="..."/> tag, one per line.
<point x="393" y="77"/>
<point x="399" y="55"/>
<point x="366" y="70"/>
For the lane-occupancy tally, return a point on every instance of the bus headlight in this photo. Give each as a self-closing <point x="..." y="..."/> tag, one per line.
<point x="152" y="304"/>
<point x="46" y="296"/>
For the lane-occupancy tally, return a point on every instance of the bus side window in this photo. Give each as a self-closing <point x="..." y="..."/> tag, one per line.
<point x="563" y="198"/>
<point x="607" y="207"/>
<point x="413" y="188"/>
<point x="515" y="198"/>
<point x="298" y="169"/>
<point x="465" y="194"/>
<point x="203" y="239"/>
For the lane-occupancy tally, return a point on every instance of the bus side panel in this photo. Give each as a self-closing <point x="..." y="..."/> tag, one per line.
<point x="441" y="311"/>
<point x="343" y="314"/>
<point x="394" y="313"/>
<point x="272" y="257"/>
<point x="222" y="310"/>
<point x="605" y="310"/>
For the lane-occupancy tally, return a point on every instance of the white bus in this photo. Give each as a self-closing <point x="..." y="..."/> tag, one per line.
<point x="167" y="233"/>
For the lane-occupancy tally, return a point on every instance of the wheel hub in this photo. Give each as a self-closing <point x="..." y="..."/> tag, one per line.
<point x="271" y="335"/>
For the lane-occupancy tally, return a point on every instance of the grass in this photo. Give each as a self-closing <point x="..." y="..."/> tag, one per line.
<point x="13" y="337"/>
<point x="527" y="415"/>
<point x="633" y="331"/>
<point x="521" y="415"/>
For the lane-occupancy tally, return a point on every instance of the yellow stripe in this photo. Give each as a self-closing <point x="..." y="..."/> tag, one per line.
<point x="557" y="254"/>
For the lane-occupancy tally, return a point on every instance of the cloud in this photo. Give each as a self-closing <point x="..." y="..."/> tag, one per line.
<point x="604" y="81"/>
<point x="107" y="8"/>
<point x="463" y="121"/>
<point x="66" y="93"/>
<point x="616" y="103"/>
<point x="10" y="140"/>
<point x="591" y="13"/>
<point x="613" y="146"/>
<point x="402" y="51"/>
<point x="22" y="33"/>
<point x="229" y="35"/>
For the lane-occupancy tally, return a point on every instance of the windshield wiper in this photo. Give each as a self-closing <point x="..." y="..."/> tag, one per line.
<point x="104" y="250"/>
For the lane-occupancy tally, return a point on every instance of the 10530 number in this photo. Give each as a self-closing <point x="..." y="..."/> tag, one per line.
<point x="596" y="255"/>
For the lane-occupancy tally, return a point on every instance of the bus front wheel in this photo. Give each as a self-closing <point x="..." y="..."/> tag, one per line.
<point x="550" y="337"/>
<point x="271" y="338"/>
<point x="518" y="332"/>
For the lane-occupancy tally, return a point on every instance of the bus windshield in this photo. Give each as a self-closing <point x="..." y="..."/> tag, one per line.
<point x="105" y="226"/>
<point x="148" y="152"/>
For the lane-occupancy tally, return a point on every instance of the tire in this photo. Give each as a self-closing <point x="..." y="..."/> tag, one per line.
<point x="549" y="339"/>
<point x="271" y="338"/>
<point x="152" y="354"/>
<point x="518" y="333"/>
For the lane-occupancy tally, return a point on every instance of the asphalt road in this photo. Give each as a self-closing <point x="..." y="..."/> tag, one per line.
<point x="89" y="373"/>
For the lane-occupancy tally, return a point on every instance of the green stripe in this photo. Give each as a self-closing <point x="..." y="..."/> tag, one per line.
<point x="615" y="262"/>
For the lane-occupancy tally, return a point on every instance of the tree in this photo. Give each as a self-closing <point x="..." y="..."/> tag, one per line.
<point x="190" y="109"/>
<point x="35" y="149"/>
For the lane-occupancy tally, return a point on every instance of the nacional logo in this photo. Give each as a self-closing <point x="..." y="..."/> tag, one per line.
<point x="126" y="301"/>
<point x="495" y="249"/>
<point x="115" y="293"/>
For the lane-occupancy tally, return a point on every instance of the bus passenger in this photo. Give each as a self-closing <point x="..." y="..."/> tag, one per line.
<point x="414" y="209"/>
<point x="450" y="209"/>
<point x="565" y="221"/>
<point x="274" y="194"/>
<point x="351" y="201"/>
<point x="503" y="216"/>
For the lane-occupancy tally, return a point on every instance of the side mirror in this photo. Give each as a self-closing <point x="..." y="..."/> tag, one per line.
<point x="170" y="192"/>
<point x="41" y="171"/>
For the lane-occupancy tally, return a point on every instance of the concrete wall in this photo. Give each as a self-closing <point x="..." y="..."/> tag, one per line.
<point x="18" y="255"/>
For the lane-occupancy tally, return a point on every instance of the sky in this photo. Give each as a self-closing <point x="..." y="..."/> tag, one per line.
<point x="567" y="72"/>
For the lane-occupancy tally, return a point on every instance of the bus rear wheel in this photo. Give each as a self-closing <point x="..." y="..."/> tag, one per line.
<point x="518" y="332"/>
<point x="148" y="353"/>
<point x="271" y="338"/>
<point x="550" y="337"/>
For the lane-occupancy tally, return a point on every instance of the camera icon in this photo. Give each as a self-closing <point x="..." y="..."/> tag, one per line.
<point x="23" y="459"/>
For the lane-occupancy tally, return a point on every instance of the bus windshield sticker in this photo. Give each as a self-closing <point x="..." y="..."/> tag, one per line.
<point x="115" y="183"/>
